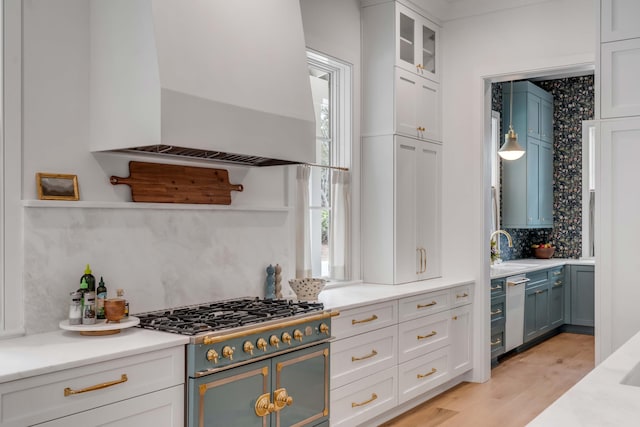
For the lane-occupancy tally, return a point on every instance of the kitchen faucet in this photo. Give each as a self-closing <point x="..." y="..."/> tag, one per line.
<point x="495" y="233"/>
<point x="495" y="253"/>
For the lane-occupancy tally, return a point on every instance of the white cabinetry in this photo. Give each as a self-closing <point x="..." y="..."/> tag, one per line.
<point x="417" y="42"/>
<point x="401" y="198"/>
<point x="619" y="20"/>
<point x="620" y="68"/>
<point x="147" y="388"/>
<point x="417" y="106"/>
<point x="377" y="366"/>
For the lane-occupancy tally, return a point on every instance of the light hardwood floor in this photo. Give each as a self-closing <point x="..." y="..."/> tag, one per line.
<point x="520" y="388"/>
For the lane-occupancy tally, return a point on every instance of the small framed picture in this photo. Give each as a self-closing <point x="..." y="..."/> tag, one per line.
<point x="55" y="186"/>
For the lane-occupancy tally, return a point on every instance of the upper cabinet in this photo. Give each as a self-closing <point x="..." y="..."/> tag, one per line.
<point x="401" y="89"/>
<point x="527" y="183"/>
<point x="619" y="20"/>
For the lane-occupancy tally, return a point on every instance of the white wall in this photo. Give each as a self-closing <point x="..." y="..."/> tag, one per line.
<point x="532" y="40"/>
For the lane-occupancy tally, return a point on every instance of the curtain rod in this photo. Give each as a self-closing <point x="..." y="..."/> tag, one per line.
<point x="327" y="166"/>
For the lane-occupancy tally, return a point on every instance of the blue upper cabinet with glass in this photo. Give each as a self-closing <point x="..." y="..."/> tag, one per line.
<point x="527" y="183"/>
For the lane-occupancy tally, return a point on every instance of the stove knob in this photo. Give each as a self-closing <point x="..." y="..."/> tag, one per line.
<point x="274" y="341"/>
<point x="324" y="329"/>
<point x="227" y="352"/>
<point x="262" y="344"/>
<point x="297" y="335"/>
<point x="248" y="347"/>
<point x="286" y="338"/>
<point x="212" y="355"/>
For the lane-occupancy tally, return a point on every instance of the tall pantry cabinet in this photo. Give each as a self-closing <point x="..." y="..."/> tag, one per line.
<point x="617" y="229"/>
<point x="401" y="144"/>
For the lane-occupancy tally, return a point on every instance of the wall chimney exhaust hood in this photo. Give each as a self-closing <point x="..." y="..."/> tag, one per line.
<point x="225" y="80"/>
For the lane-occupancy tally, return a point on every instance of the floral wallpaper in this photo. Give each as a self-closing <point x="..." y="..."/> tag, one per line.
<point x="573" y="102"/>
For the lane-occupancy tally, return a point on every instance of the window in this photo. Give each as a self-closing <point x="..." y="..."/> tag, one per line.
<point x="331" y="90"/>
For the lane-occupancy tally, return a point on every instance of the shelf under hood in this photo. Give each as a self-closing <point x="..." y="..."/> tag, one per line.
<point x="208" y="79"/>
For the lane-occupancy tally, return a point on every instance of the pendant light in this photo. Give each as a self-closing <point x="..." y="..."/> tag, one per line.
<point x="511" y="150"/>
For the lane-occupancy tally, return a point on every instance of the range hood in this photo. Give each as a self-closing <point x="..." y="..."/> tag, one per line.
<point x="225" y="80"/>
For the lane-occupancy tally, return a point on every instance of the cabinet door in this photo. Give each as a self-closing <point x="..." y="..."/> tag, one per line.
<point x="545" y="184"/>
<point x="160" y="408"/>
<point x="417" y="43"/>
<point x="428" y="112"/>
<point x="406" y="105"/>
<point x="408" y="257"/>
<point x="533" y="180"/>
<point x="546" y="120"/>
<point x="556" y="304"/>
<point x="582" y="295"/>
<point x="428" y="230"/>
<point x="460" y="340"/>
<point x="536" y="312"/>
<point x="619" y="20"/>
<point x="620" y="68"/>
<point x="533" y="116"/>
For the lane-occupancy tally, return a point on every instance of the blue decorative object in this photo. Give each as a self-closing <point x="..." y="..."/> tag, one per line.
<point x="271" y="283"/>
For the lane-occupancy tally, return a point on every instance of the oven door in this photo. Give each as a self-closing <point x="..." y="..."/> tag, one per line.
<point x="288" y="390"/>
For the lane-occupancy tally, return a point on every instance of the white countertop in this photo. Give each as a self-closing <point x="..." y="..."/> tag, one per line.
<point x="355" y="295"/>
<point x="54" y="351"/>
<point x="599" y="399"/>
<point x="533" y="265"/>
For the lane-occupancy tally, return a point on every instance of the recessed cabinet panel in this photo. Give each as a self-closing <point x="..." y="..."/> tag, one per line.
<point x="417" y="106"/>
<point x="620" y="91"/>
<point x="408" y="255"/>
<point x="619" y="20"/>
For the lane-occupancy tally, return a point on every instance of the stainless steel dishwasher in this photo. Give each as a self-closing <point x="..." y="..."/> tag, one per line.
<point x="514" y="324"/>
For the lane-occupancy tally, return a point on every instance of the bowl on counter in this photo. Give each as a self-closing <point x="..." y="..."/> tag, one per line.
<point x="544" y="253"/>
<point x="307" y="289"/>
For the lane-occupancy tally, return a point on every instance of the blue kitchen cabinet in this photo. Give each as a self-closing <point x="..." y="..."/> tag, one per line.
<point x="498" y="316"/>
<point x="556" y="298"/>
<point x="536" y="312"/>
<point x="582" y="295"/>
<point x="527" y="183"/>
<point x="544" y="303"/>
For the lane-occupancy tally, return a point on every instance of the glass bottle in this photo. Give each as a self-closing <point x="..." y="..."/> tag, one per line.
<point x="101" y="295"/>
<point x="75" y="308"/>
<point x="89" y="309"/>
<point x="120" y="294"/>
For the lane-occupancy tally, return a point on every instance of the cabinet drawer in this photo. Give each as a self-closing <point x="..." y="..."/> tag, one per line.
<point x="537" y="278"/>
<point x="364" y="319"/>
<point x="367" y="354"/>
<point x="362" y="400"/>
<point x="422" y="305"/>
<point x="556" y="276"/>
<point x="420" y="375"/>
<point x="498" y="287"/>
<point x="497" y="341"/>
<point x="41" y="398"/>
<point x="461" y="295"/>
<point x="498" y="310"/>
<point x="420" y="336"/>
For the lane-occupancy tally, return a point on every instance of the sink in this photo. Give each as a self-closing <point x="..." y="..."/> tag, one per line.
<point x="632" y="377"/>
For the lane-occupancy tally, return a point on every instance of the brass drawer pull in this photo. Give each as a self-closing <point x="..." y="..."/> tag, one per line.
<point x="496" y="342"/>
<point x="557" y="273"/>
<point x="421" y="337"/>
<point x="368" y="356"/>
<point x="68" y="391"/>
<point x="495" y="288"/>
<point x="464" y="295"/>
<point x="432" y="303"/>
<point x="366" y="402"/>
<point x="498" y="311"/>
<point x="539" y="292"/>
<point x="368" y="319"/>
<point x="558" y="283"/>
<point x="433" y="371"/>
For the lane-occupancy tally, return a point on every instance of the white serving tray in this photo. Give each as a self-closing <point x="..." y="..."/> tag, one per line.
<point x="101" y="327"/>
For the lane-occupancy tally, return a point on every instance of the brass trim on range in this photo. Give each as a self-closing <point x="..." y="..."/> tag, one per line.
<point x="433" y="371"/>
<point x="264" y="406"/>
<point x="203" y="388"/>
<point x="281" y="398"/>
<point x="368" y="319"/>
<point x="421" y="337"/>
<point x="366" y="402"/>
<point x="206" y="340"/>
<point x="69" y="392"/>
<point x="368" y="356"/>
<point x="432" y="303"/>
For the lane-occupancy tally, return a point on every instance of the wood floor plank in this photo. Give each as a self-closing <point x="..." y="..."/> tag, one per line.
<point x="520" y="388"/>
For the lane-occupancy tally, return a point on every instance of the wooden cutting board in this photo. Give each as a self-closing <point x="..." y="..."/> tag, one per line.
<point x="162" y="183"/>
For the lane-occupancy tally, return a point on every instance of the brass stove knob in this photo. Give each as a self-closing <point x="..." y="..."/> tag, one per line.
<point x="297" y="335"/>
<point x="286" y="338"/>
<point x="274" y="341"/>
<point x="324" y="329"/>
<point x="262" y="344"/>
<point x="248" y="347"/>
<point x="212" y="355"/>
<point x="227" y="352"/>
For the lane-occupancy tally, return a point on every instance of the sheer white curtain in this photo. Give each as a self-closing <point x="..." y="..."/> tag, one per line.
<point x="303" y="234"/>
<point x="340" y="229"/>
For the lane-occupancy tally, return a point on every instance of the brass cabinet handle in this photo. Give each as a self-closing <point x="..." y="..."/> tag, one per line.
<point x="368" y="356"/>
<point x="498" y="311"/>
<point x="421" y="337"/>
<point x="423" y="249"/>
<point x="123" y="379"/>
<point x="464" y="295"/>
<point x="539" y="292"/>
<point x="432" y="303"/>
<point x="419" y="250"/>
<point x="368" y="319"/>
<point x="264" y="406"/>
<point x="366" y="402"/>
<point x="433" y="371"/>
<point x="558" y="283"/>
<point x="557" y="273"/>
<point x="496" y="288"/>
<point x="496" y="342"/>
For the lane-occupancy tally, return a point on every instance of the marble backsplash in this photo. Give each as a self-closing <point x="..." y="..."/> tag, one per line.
<point x="161" y="258"/>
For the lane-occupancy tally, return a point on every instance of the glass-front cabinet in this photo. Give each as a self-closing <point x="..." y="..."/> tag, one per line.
<point x="416" y="43"/>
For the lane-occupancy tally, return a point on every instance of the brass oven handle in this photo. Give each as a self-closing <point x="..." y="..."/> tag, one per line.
<point x="421" y="337"/>
<point x="281" y="399"/>
<point x="264" y="406"/>
<point x="496" y="342"/>
<point x="366" y="402"/>
<point x="368" y="319"/>
<point x="427" y="305"/>
<point x="368" y="356"/>
<point x="433" y="371"/>
<point x="498" y="311"/>
<point x="123" y="379"/>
